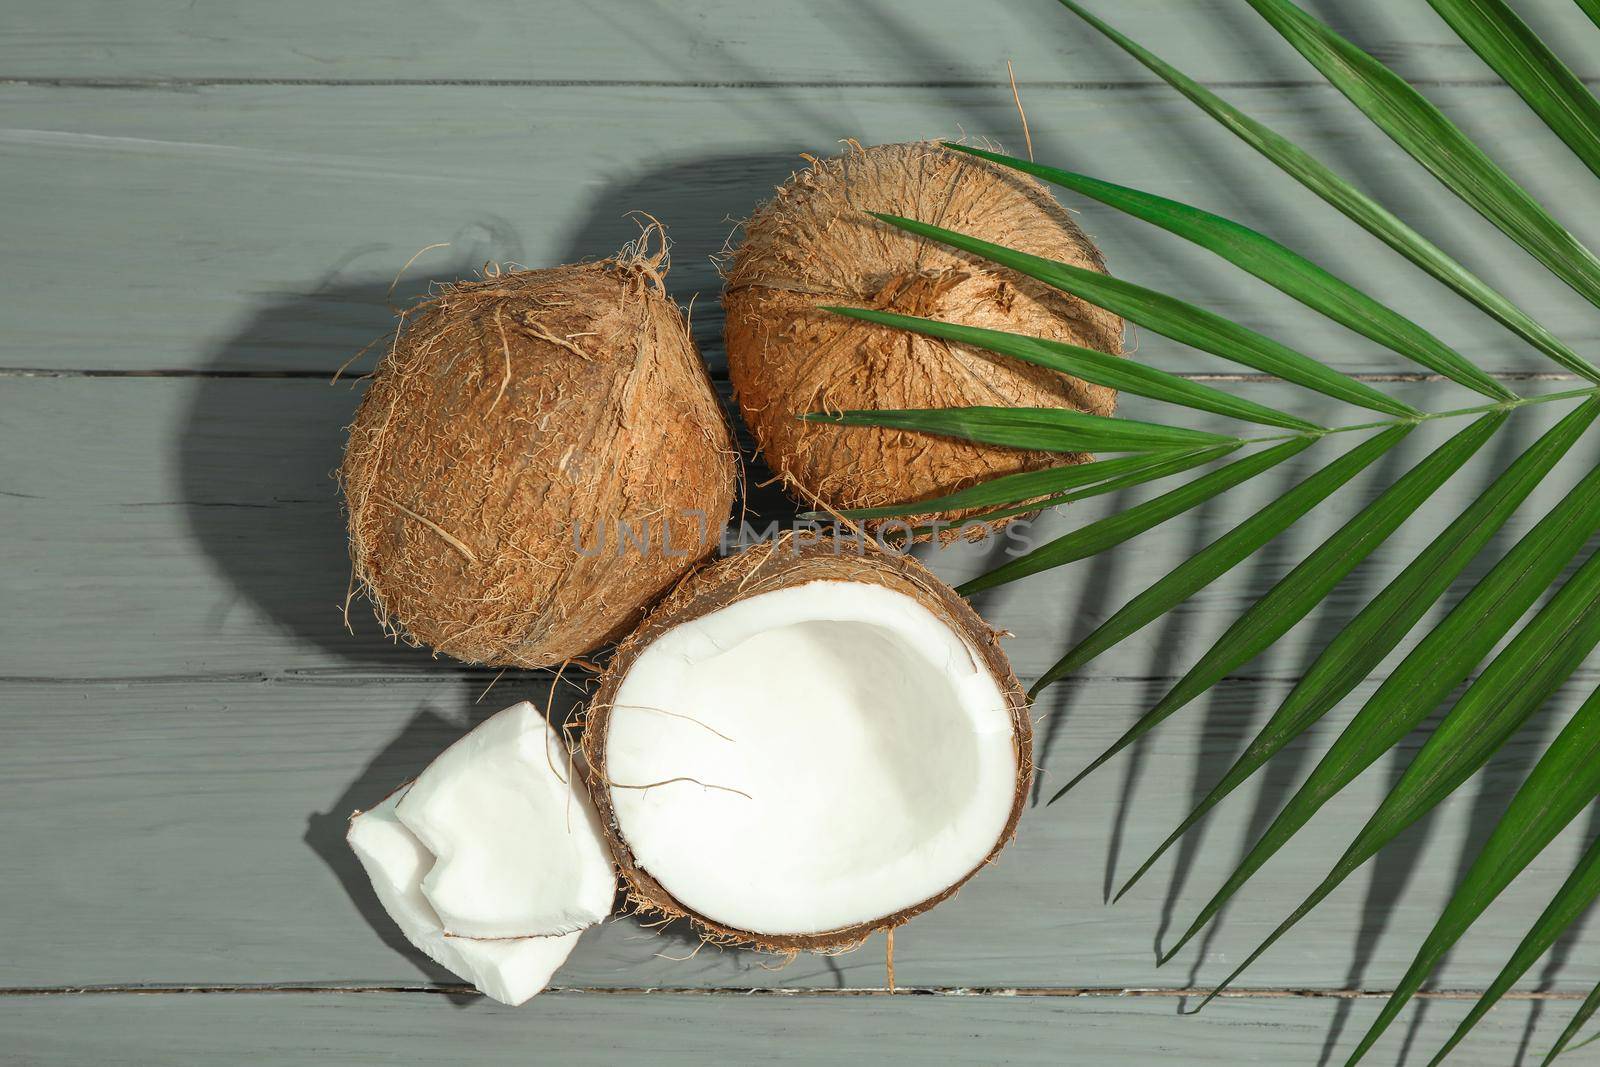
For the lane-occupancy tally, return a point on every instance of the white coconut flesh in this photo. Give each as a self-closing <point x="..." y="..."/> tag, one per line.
<point x="518" y="845"/>
<point x="510" y="971"/>
<point x="828" y="754"/>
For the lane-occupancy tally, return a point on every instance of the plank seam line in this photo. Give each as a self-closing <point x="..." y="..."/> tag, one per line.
<point x="313" y="676"/>
<point x="346" y="675"/>
<point x="234" y="678"/>
<point x="325" y="375"/>
<point x="1097" y="85"/>
<point x="997" y="992"/>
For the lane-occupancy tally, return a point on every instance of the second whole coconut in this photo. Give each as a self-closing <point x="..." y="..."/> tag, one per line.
<point x="814" y="244"/>
<point x="539" y="457"/>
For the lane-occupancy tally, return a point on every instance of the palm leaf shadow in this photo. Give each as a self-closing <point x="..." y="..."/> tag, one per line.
<point x="1158" y="678"/>
<point x="1560" y="954"/>
<point x="1228" y="709"/>
<point x="1102" y="579"/>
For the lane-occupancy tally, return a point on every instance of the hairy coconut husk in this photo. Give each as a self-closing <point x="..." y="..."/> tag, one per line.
<point x="813" y="243"/>
<point x="514" y="420"/>
<point x="792" y="560"/>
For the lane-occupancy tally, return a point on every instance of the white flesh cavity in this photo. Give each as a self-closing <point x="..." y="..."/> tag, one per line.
<point x="510" y="971"/>
<point x="519" y="850"/>
<point x="874" y="745"/>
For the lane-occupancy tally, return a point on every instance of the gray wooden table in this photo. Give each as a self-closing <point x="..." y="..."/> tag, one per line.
<point x="204" y="205"/>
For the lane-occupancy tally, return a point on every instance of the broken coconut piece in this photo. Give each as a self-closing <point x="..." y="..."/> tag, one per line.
<point x="518" y="846"/>
<point x="510" y="971"/>
<point x="800" y="747"/>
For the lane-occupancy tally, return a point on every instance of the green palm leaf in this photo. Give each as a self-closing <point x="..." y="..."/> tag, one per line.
<point x="1274" y="264"/>
<point x="1363" y="643"/>
<point x="1515" y="53"/>
<point x="1585" y="1011"/>
<point x="1514" y="685"/>
<point x="1056" y="483"/>
<point x="1169" y="317"/>
<point x="1354" y="204"/>
<point x="1223" y="554"/>
<point x="1434" y="667"/>
<point x="1434" y="141"/>
<point x="1114" y="529"/>
<point x="1564" y="782"/>
<point x="1569" y="903"/>
<point x="1035" y="429"/>
<point x="1542" y="651"/>
<point x="1287" y="602"/>
<point x="1162" y="468"/>
<point x="1099" y="368"/>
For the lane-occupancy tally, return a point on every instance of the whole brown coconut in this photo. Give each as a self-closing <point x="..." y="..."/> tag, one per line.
<point x="518" y="432"/>
<point x="780" y="753"/>
<point x="813" y="243"/>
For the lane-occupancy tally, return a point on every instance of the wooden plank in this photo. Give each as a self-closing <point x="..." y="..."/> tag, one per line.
<point x="716" y="41"/>
<point x="258" y="228"/>
<point x="315" y="1029"/>
<point x="190" y="527"/>
<point x="187" y="724"/>
<point x="191" y="832"/>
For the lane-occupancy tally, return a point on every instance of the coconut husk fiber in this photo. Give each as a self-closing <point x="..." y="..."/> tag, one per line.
<point x="814" y="244"/>
<point x="513" y="420"/>
<point x="792" y="560"/>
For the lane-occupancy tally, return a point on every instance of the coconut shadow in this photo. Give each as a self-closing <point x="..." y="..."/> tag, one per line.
<point x="263" y="435"/>
<point x="424" y="736"/>
<point x="405" y="754"/>
<point x="265" y="431"/>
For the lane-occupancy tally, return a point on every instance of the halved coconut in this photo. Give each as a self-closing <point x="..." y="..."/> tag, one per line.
<point x="510" y="971"/>
<point x="801" y="746"/>
<point x="518" y="845"/>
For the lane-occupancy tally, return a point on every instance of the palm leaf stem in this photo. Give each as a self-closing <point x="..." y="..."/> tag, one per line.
<point x="1476" y="409"/>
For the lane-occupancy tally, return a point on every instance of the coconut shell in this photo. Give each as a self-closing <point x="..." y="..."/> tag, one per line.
<point x="514" y="421"/>
<point x="795" y="559"/>
<point x="814" y="243"/>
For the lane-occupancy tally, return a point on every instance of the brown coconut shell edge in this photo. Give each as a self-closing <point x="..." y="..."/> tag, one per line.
<point x="781" y="564"/>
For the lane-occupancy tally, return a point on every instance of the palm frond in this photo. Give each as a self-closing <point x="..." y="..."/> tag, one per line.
<point x="1102" y="534"/>
<point x="1365" y="640"/>
<point x="1513" y="687"/>
<point x="1351" y="202"/>
<point x="1287" y="602"/>
<point x="1523" y="61"/>
<point x="1563" y="783"/>
<point x="1175" y="463"/>
<point x="1571" y="901"/>
<point x="1283" y="269"/>
<point x="1413" y="123"/>
<point x="1099" y="368"/>
<point x="1058" y="484"/>
<point x="1034" y="429"/>
<point x="1223" y="554"/>
<point x="1541" y="651"/>
<point x="1439" y="662"/>
<point x="1170" y="317"/>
